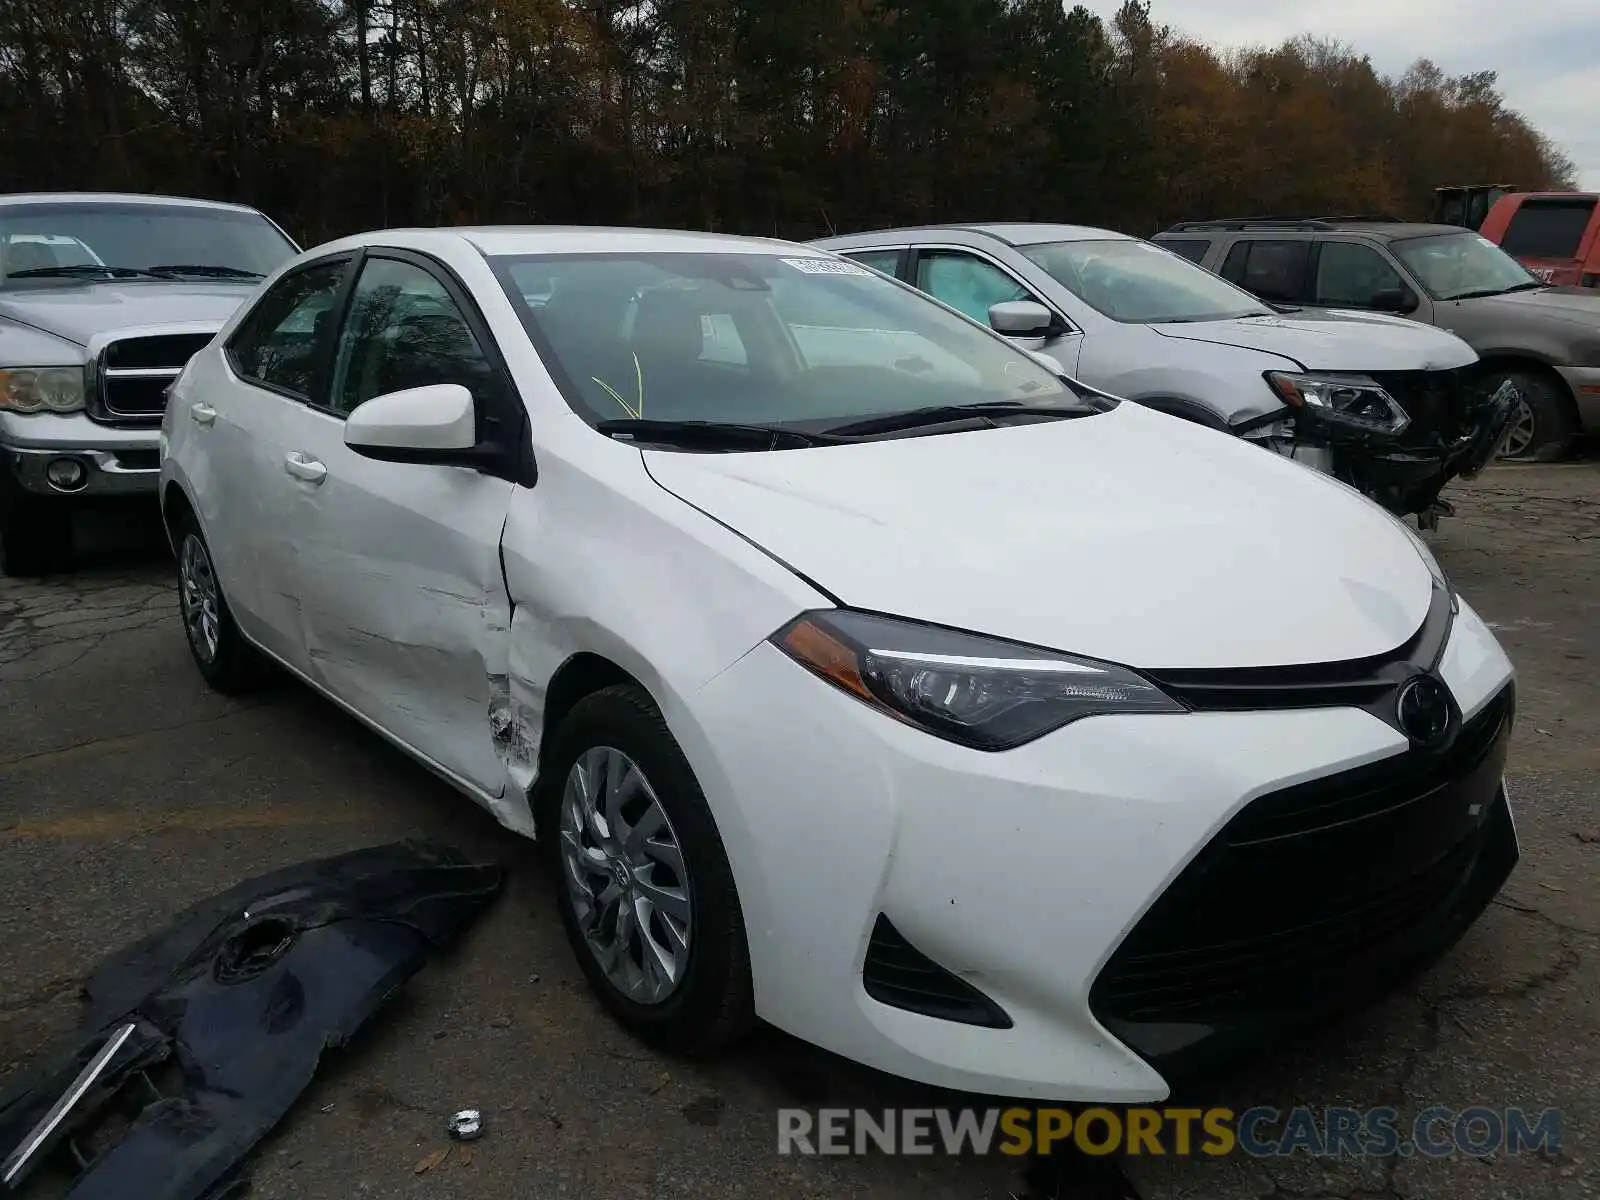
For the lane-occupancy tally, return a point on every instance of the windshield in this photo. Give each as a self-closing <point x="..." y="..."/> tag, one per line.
<point x="1142" y="284"/>
<point x="757" y="338"/>
<point x="1455" y="265"/>
<point x="78" y="238"/>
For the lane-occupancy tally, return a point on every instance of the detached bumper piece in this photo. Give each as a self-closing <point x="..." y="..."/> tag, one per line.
<point x="1313" y="901"/>
<point x="200" y="1038"/>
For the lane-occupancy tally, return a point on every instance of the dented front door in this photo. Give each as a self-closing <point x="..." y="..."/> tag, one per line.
<point x="404" y="605"/>
<point x="403" y="601"/>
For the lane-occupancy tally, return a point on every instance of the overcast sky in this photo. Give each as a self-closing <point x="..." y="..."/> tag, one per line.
<point x="1547" y="52"/>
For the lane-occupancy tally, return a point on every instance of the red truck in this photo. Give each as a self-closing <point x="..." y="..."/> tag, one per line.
<point x="1556" y="235"/>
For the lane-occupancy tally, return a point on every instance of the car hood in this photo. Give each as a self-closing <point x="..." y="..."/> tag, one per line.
<point x="78" y="311"/>
<point x="1334" y="340"/>
<point x="1581" y="305"/>
<point x="1129" y="536"/>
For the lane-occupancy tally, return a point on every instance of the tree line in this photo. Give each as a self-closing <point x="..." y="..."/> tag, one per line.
<point x="771" y="117"/>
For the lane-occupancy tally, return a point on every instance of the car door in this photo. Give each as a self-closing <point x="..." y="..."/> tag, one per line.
<point x="247" y="419"/>
<point x="971" y="283"/>
<point x="403" y="600"/>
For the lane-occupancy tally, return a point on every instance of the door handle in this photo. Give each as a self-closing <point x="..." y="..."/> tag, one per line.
<point x="203" y="414"/>
<point x="301" y="467"/>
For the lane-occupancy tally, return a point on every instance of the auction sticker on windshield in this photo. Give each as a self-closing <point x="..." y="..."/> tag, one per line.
<point x="826" y="266"/>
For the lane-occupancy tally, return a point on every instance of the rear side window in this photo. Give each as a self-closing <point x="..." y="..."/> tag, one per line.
<point x="1273" y="270"/>
<point x="887" y="261"/>
<point x="1194" y="249"/>
<point x="1548" y="227"/>
<point x="280" y="342"/>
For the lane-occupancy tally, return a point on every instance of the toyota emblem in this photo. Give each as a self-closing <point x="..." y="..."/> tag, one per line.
<point x="1423" y="711"/>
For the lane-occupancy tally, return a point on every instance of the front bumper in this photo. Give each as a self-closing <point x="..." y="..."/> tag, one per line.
<point x="1585" y="385"/>
<point x="114" y="461"/>
<point x="1025" y="874"/>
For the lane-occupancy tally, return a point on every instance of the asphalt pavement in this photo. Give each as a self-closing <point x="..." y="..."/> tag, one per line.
<point x="127" y="791"/>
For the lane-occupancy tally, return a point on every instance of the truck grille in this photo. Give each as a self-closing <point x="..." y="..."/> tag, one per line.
<point x="135" y="372"/>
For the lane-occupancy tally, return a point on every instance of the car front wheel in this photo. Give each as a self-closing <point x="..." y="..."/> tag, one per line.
<point x="1545" y="425"/>
<point x="643" y="884"/>
<point x="226" y="661"/>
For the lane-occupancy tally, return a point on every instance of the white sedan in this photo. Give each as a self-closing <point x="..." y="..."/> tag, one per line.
<point x="860" y="674"/>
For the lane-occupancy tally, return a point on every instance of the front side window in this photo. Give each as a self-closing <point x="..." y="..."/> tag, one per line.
<point x="404" y="331"/>
<point x="86" y="239"/>
<point x="1458" y="266"/>
<point x="1350" y="275"/>
<point x="280" y="342"/>
<point x="1137" y="283"/>
<point x="966" y="282"/>
<point x="755" y="338"/>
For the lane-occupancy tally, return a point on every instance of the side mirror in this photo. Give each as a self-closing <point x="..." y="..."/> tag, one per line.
<point x="1394" y="300"/>
<point x="1020" y="319"/>
<point x="433" y="424"/>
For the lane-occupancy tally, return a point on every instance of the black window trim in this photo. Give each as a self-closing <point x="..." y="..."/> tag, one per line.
<point x="318" y="375"/>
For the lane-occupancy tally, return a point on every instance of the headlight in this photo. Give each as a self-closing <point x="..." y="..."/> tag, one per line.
<point x="1350" y="402"/>
<point x="980" y="692"/>
<point x="41" y="389"/>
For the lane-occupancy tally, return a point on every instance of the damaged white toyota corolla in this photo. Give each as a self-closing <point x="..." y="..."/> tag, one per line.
<point x="860" y="673"/>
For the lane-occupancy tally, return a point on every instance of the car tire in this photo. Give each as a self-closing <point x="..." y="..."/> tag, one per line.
<point x="1554" y="425"/>
<point x="35" y="535"/>
<point x="709" y="1004"/>
<point x="227" y="662"/>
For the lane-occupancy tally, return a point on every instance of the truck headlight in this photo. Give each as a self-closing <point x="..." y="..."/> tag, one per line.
<point x="1349" y="402"/>
<point x="41" y="389"/>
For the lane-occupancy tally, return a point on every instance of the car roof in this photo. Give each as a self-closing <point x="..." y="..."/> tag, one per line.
<point x="18" y="198"/>
<point x="1014" y="233"/>
<point x="1389" y="231"/>
<point x="496" y="240"/>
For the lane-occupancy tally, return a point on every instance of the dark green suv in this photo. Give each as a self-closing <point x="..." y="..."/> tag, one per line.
<point x="1545" y="339"/>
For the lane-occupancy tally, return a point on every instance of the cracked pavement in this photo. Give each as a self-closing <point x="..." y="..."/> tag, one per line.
<point x="127" y="790"/>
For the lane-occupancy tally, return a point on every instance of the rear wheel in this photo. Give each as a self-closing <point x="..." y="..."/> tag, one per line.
<point x="1545" y="424"/>
<point x="643" y="884"/>
<point x="226" y="661"/>
<point x="35" y="533"/>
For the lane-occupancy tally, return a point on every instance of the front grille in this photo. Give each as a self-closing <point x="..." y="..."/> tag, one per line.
<point x="897" y="974"/>
<point x="135" y="372"/>
<point x="1436" y="402"/>
<point x="1310" y="893"/>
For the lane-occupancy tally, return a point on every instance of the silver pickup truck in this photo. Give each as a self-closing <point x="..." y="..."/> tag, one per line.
<point x="103" y="298"/>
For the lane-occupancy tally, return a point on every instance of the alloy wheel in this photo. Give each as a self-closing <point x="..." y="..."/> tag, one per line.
<point x="1521" y="435"/>
<point x="623" y="870"/>
<point x="197" y="582"/>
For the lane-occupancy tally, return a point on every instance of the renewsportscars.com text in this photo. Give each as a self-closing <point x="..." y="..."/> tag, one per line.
<point x="1261" y="1132"/>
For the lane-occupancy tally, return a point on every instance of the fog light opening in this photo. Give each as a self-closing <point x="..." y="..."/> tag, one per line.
<point x="67" y="474"/>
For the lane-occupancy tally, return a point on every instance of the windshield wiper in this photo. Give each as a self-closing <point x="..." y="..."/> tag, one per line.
<point x="1481" y="293"/>
<point x="713" y="434"/>
<point x="83" y="269"/>
<point x="945" y="414"/>
<point x="204" y="269"/>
